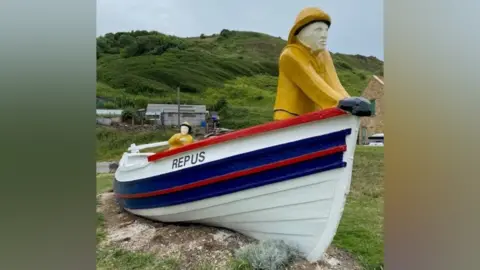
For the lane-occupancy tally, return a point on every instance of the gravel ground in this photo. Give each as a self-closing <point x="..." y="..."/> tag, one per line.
<point x="192" y="244"/>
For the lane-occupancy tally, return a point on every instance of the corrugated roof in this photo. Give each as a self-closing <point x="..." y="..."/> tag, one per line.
<point x="157" y="108"/>
<point x="109" y="112"/>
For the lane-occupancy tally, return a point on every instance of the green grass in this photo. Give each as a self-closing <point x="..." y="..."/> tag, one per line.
<point x="104" y="182"/>
<point x="100" y="234"/>
<point x="111" y="142"/>
<point x="361" y="229"/>
<point x="117" y="259"/>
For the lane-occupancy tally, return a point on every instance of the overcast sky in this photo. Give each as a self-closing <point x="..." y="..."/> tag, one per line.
<point x="357" y="25"/>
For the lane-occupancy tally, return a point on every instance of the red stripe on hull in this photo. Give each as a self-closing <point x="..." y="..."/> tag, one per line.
<point x="315" y="116"/>
<point x="237" y="174"/>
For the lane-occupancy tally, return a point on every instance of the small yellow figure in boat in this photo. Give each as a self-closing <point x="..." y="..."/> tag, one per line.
<point x="182" y="138"/>
<point x="307" y="79"/>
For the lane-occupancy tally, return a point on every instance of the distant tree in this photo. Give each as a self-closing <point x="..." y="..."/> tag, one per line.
<point x="130" y="50"/>
<point x="129" y="113"/>
<point x="102" y="44"/>
<point x="225" y="33"/>
<point x="110" y="36"/>
<point x="126" y="39"/>
<point x="141" y="102"/>
<point x="221" y="104"/>
<point x="138" y="33"/>
<point x="107" y="45"/>
<point x="145" y="44"/>
<point x="124" y="102"/>
<point x="202" y="36"/>
<point x="117" y="35"/>
<point x="99" y="51"/>
<point x="162" y="43"/>
<point x="109" y="105"/>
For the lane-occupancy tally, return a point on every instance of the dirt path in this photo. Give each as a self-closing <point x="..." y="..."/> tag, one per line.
<point x="192" y="244"/>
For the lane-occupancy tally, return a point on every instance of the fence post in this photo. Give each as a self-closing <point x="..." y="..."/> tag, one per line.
<point x="178" y="102"/>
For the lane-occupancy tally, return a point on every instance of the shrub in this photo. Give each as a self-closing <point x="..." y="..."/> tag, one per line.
<point x="129" y="114"/>
<point x="109" y="105"/>
<point x="267" y="255"/>
<point x="362" y="76"/>
<point x="343" y="65"/>
<point x="221" y="105"/>
<point x="226" y="33"/>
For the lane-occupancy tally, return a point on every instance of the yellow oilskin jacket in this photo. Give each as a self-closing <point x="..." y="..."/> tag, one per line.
<point x="306" y="82"/>
<point x="179" y="140"/>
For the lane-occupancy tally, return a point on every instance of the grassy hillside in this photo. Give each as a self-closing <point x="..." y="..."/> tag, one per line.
<point x="233" y="72"/>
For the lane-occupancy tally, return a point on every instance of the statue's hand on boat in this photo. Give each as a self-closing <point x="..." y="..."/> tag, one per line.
<point x="357" y="106"/>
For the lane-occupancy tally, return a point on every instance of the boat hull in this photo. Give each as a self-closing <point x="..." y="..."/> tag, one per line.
<point x="288" y="184"/>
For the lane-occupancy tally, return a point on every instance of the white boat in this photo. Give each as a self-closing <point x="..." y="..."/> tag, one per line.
<point x="284" y="180"/>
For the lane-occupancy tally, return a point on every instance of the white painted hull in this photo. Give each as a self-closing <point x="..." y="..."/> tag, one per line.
<point x="304" y="211"/>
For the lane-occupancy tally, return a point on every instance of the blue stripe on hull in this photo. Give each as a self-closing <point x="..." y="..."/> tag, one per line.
<point x="317" y="165"/>
<point x="233" y="164"/>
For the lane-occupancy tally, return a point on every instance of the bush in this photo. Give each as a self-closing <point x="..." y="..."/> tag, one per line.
<point x="221" y="105"/>
<point x="362" y="76"/>
<point x="130" y="113"/>
<point x="109" y="105"/>
<point x="138" y="43"/>
<point x="343" y="65"/>
<point x="267" y="255"/>
<point x="225" y="33"/>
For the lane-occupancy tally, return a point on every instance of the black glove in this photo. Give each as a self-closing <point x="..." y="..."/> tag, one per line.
<point x="357" y="106"/>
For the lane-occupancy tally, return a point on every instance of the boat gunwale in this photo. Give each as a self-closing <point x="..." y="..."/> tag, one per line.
<point x="250" y="131"/>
